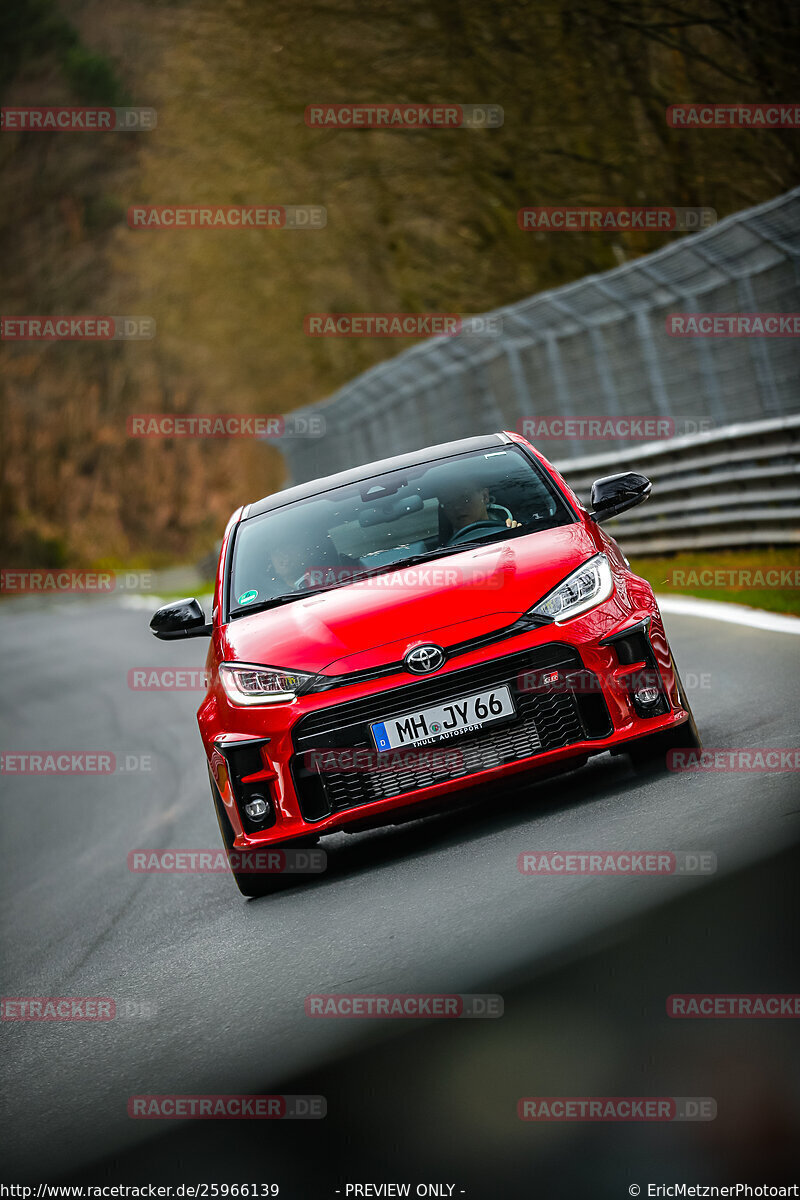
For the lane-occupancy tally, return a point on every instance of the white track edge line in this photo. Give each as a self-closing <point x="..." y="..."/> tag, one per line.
<point x="735" y="614"/>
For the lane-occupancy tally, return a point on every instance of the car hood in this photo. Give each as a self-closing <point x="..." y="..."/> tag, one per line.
<point x="447" y="600"/>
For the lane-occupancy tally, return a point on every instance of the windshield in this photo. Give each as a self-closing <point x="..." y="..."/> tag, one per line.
<point x="429" y="510"/>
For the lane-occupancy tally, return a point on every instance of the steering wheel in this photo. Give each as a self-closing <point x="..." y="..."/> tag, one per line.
<point x="501" y="508"/>
<point x="462" y="534"/>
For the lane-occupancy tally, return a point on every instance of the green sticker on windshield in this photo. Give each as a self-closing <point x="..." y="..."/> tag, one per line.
<point x="247" y="598"/>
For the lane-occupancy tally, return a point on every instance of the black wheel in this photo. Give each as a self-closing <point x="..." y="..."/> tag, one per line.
<point x="650" y="753"/>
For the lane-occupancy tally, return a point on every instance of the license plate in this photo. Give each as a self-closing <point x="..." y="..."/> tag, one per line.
<point x="444" y="721"/>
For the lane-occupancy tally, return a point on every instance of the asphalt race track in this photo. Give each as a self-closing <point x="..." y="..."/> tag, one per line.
<point x="214" y="984"/>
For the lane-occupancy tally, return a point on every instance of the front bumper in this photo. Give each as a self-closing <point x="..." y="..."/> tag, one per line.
<point x="573" y="698"/>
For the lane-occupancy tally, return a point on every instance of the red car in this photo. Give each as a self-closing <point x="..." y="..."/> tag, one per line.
<point x="390" y="635"/>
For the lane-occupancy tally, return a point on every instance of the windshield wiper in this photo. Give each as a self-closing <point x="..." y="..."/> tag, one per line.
<point x="356" y="576"/>
<point x="411" y="561"/>
<point x="442" y="552"/>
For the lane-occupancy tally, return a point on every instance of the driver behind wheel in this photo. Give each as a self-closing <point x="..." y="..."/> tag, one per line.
<point x="466" y="503"/>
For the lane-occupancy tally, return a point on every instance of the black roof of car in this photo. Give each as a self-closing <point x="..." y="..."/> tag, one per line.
<point x="414" y="458"/>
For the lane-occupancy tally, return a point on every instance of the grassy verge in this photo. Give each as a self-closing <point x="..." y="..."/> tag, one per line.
<point x="767" y="579"/>
<point x="206" y="588"/>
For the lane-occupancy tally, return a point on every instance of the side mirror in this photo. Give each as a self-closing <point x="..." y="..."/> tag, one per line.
<point x="616" y="493"/>
<point x="181" y="619"/>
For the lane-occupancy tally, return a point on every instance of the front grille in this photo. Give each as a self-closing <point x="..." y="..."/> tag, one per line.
<point x="546" y="719"/>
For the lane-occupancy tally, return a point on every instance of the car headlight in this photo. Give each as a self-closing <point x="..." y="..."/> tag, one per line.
<point x="245" y="683"/>
<point x="591" y="584"/>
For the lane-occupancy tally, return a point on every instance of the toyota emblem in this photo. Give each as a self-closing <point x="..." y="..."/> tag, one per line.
<point x="423" y="659"/>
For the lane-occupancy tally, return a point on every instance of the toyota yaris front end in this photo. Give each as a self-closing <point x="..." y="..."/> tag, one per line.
<point x="387" y="636"/>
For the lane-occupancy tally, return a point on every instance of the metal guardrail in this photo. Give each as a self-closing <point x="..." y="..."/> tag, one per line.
<point x="737" y="486"/>
<point x="596" y="347"/>
<point x="599" y="347"/>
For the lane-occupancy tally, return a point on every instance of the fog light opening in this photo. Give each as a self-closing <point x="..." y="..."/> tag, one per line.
<point x="257" y="808"/>
<point x="646" y="695"/>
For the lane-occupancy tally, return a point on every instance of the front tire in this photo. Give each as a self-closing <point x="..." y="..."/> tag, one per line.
<point x="650" y="753"/>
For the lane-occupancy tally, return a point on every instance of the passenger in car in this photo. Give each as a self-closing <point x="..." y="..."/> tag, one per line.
<point x="298" y="565"/>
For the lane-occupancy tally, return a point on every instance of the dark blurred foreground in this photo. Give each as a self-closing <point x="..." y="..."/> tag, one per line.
<point x="436" y="1102"/>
